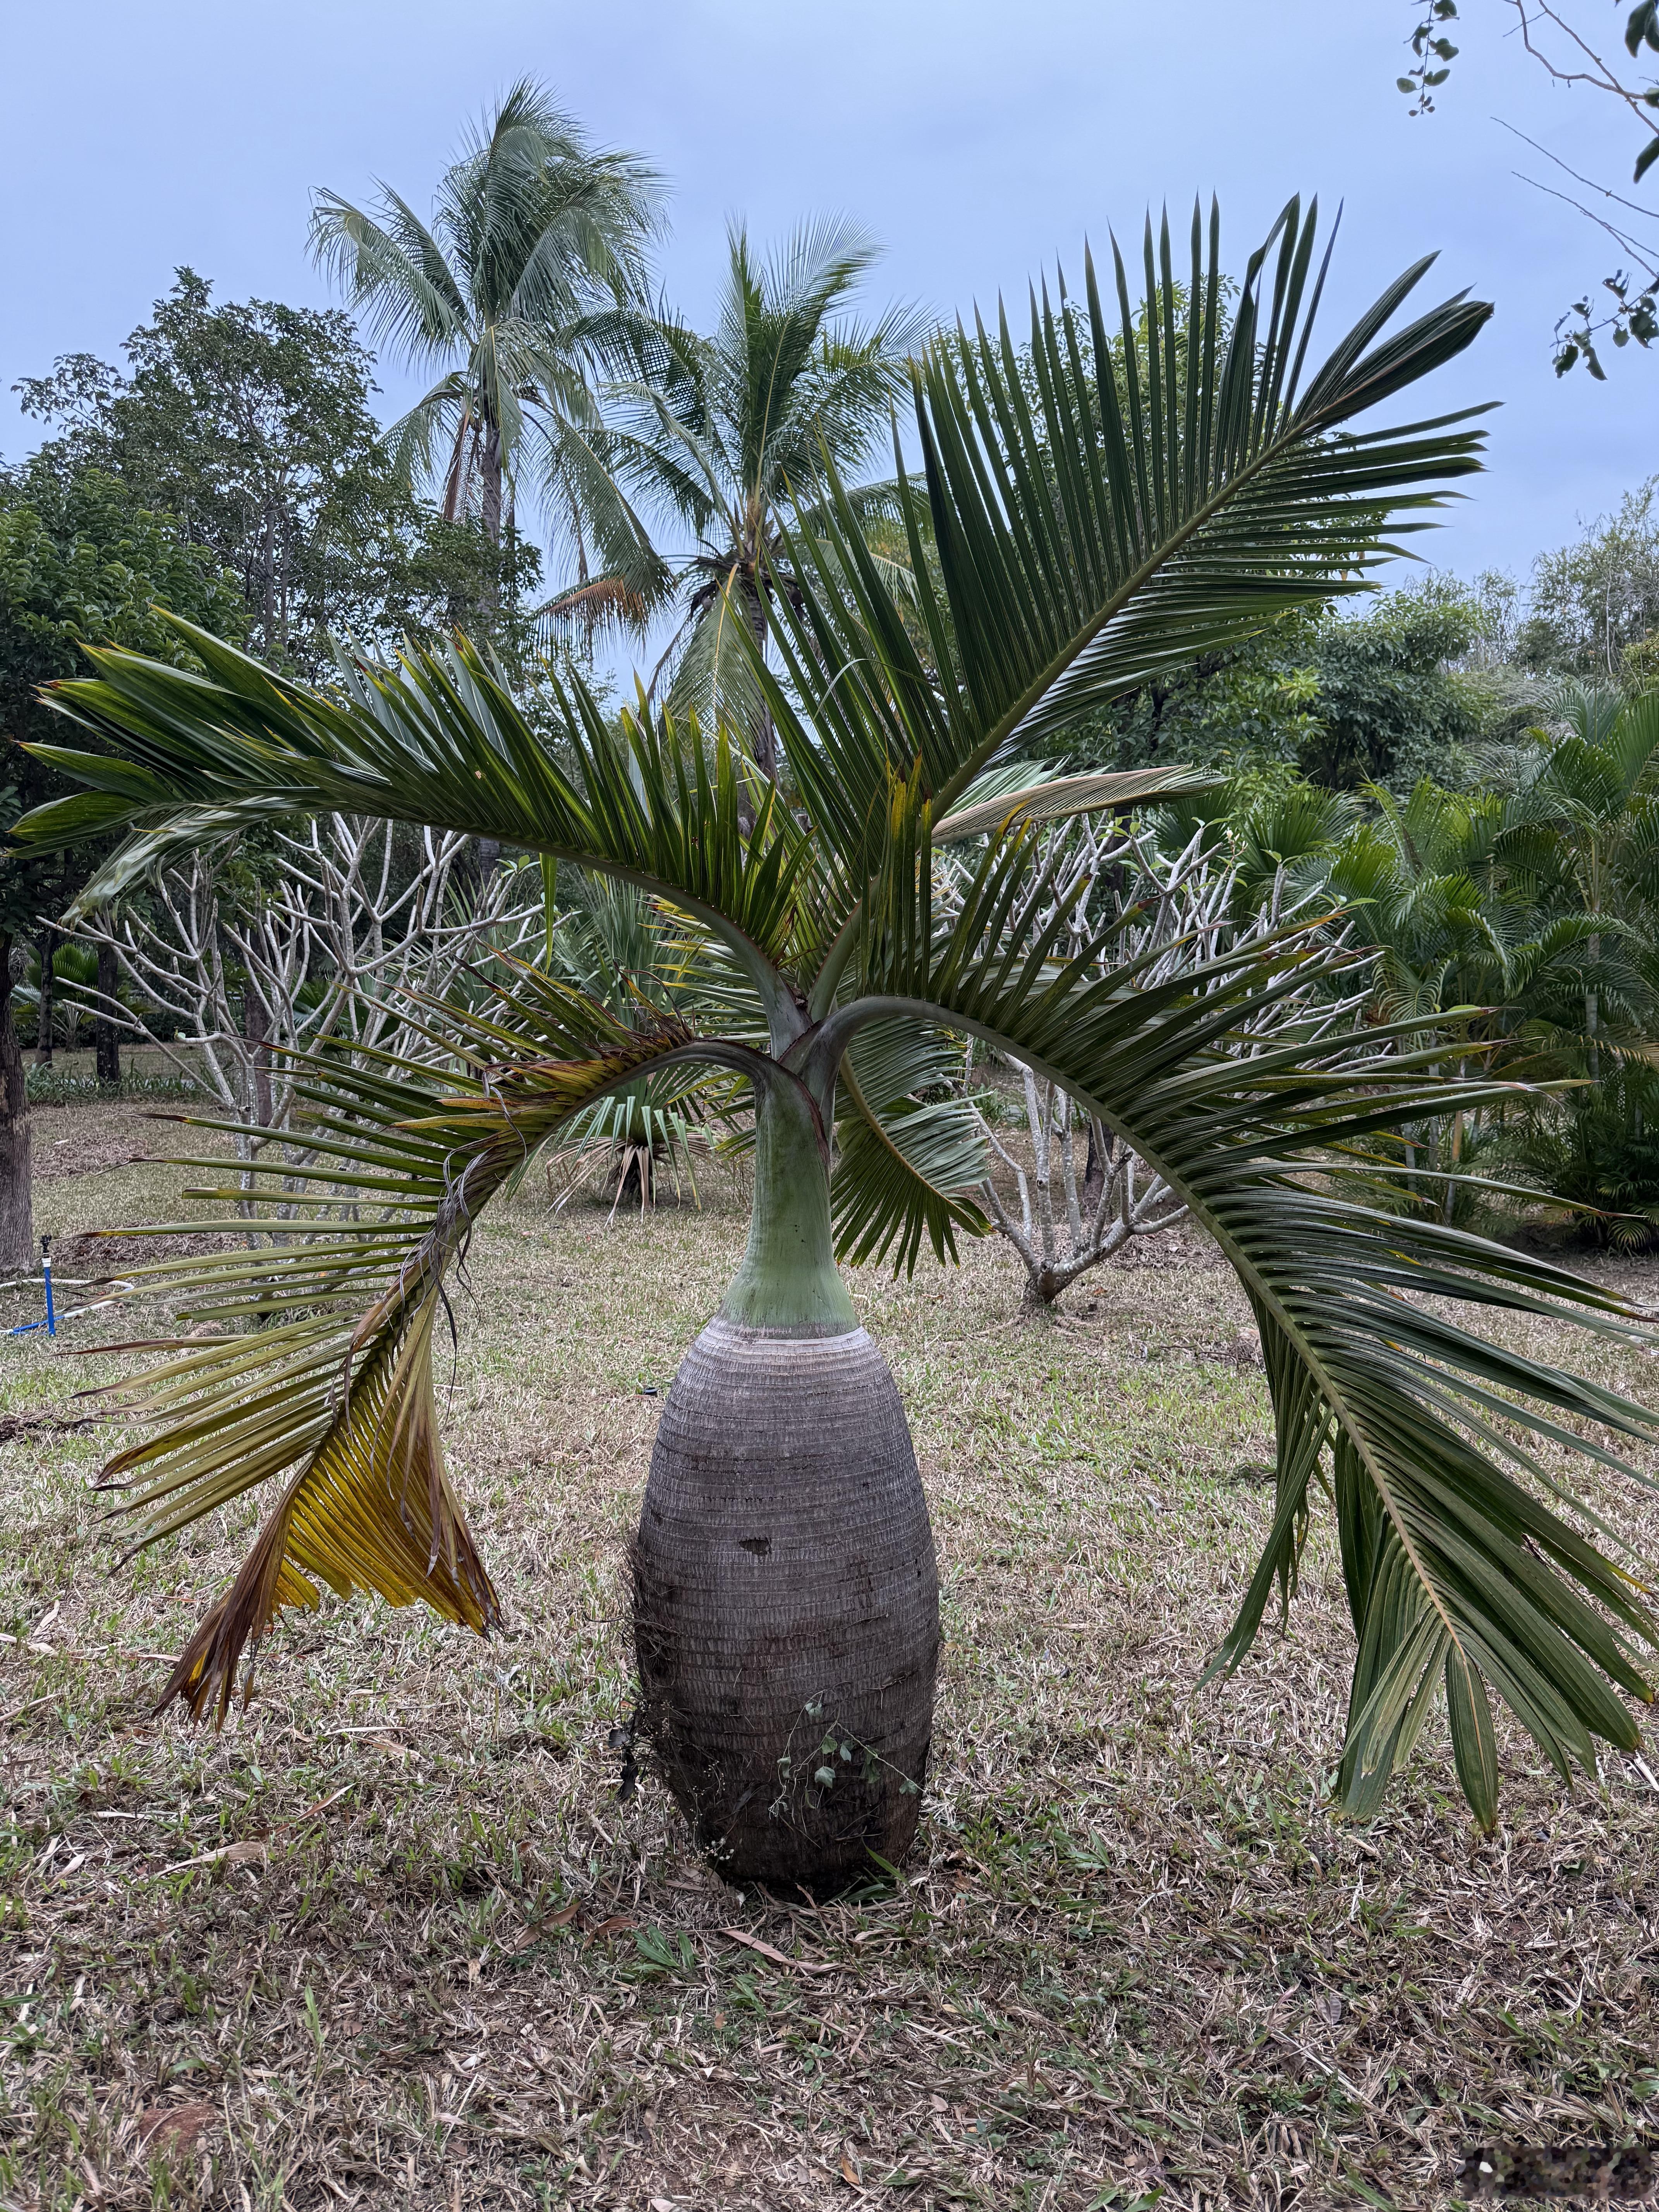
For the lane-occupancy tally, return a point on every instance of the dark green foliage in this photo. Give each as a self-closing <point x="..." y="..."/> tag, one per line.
<point x="1386" y="709"/>
<point x="1599" y="1148"/>
<point x="81" y="561"/>
<point x="250" y="421"/>
<point x="1345" y="701"/>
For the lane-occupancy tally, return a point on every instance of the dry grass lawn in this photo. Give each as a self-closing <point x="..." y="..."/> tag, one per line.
<point x="392" y="1940"/>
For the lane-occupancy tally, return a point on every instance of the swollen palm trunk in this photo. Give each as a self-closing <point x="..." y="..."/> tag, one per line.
<point x="786" y="1595"/>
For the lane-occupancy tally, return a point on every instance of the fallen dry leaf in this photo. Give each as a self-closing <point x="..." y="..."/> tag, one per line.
<point x="232" y="1855"/>
<point x="562" y="1919"/>
<point x="849" y="2171"/>
<point x="778" y="1958"/>
<point x="175" y="2126"/>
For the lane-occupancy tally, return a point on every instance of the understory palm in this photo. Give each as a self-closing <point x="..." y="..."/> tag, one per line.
<point x="528" y="285"/>
<point x="616" y="945"/>
<point x="732" y="429"/>
<point x="1587" y="835"/>
<point x="785" y="1598"/>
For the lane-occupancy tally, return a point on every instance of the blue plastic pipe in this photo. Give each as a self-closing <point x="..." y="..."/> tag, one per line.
<point x="49" y="1324"/>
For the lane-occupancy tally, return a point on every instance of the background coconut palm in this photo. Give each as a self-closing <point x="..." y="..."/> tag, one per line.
<point x="730" y="430"/>
<point x="529" y="284"/>
<point x="785" y="1601"/>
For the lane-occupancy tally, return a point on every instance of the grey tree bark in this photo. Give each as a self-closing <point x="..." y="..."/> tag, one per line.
<point x="256" y="1028"/>
<point x="786" y="1608"/>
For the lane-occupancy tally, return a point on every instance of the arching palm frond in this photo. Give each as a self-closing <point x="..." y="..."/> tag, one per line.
<point x="910" y="1154"/>
<point x="393" y="272"/>
<point x="1459" y="1572"/>
<point x="332" y="1389"/>
<point x="439" y="736"/>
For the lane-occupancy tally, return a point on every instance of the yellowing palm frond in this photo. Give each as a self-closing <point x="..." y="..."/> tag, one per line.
<point x="318" y="1364"/>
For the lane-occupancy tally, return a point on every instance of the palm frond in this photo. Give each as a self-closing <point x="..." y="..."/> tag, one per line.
<point x="907" y="1164"/>
<point x="1056" y="799"/>
<point x="436" y="738"/>
<point x="319" y="1362"/>
<point x="393" y="269"/>
<point x="1105" y="533"/>
<point x="1472" y="1576"/>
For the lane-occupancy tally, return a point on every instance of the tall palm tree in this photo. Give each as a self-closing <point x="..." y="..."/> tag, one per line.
<point x="785" y="1602"/>
<point x="529" y="282"/>
<point x="730" y="429"/>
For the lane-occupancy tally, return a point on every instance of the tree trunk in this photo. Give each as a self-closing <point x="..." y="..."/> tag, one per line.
<point x="786" y="1595"/>
<point x="1042" y="1287"/>
<point x="256" y="1028"/>
<point x="492" y="485"/>
<point x="16" y="1189"/>
<point x="1094" y="1168"/>
<point x="489" y="849"/>
<point x="106" y="1038"/>
<point x="766" y="737"/>
<point x="47" y="947"/>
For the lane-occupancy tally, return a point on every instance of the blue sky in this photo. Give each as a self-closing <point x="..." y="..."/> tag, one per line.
<point x="977" y="140"/>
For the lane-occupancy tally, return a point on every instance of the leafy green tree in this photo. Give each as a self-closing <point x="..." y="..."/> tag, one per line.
<point x="1243" y="713"/>
<point x="451" y="576"/>
<point x="1344" y="700"/>
<point x="785" y="1591"/>
<point x="81" y="564"/>
<point x="732" y="429"/>
<point x="251" y="422"/>
<point x="1386" y="709"/>
<point x="529" y="282"/>
<point x="1596" y="601"/>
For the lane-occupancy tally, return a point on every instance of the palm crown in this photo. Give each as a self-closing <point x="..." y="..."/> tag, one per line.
<point x="528" y="284"/>
<point x="730" y="429"/>
<point x="1109" y="527"/>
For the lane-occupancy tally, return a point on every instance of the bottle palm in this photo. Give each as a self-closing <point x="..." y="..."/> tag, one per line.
<point x="528" y="285"/>
<point x="786" y="1600"/>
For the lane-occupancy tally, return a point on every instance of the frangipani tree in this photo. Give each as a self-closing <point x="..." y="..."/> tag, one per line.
<point x="785" y="1591"/>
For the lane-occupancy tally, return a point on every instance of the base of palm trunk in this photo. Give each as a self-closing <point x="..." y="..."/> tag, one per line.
<point x="787" y="1607"/>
